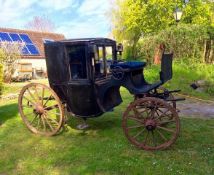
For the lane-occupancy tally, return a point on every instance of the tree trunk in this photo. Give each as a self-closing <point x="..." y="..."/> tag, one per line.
<point x="205" y="49"/>
<point x="211" y="56"/>
<point x="158" y="53"/>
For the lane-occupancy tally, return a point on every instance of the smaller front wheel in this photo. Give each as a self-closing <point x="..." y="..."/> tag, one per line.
<point x="41" y="109"/>
<point x="151" y="123"/>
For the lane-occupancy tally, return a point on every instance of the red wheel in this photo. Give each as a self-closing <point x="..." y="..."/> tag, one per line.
<point x="41" y="109"/>
<point x="151" y="123"/>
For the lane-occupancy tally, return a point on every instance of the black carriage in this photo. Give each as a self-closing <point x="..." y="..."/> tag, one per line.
<point x="85" y="77"/>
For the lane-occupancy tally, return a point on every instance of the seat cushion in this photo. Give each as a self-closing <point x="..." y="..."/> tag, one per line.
<point x="130" y="65"/>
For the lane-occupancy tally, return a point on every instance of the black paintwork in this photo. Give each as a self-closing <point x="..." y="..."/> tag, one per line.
<point x="88" y="94"/>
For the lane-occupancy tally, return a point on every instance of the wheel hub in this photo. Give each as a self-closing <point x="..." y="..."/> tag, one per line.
<point x="150" y="124"/>
<point x="39" y="109"/>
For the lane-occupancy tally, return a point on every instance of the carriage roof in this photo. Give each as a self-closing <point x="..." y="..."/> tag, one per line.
<point x="86" y="40"/>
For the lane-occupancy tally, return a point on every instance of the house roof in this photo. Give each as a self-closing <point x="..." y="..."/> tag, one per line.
<point x="37" y="38"/>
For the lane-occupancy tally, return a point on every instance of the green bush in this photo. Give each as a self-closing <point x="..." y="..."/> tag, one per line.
<point x="185" y="41"/>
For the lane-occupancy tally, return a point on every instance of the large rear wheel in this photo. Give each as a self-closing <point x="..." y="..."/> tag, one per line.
<point x="41" y="109"/>
<point x="151" y="123"/>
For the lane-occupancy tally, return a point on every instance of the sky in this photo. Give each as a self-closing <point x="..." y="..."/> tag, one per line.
<point x="73" y="18"/>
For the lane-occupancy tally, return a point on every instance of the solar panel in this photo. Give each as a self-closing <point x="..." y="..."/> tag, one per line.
<point x="15" y="37"/>
<point x="26" y="38"/>
<point x="29" y="48"/>
<point x="5" y="36"/>
<point x="33" y="50"/>
<point x="25" y="51"/>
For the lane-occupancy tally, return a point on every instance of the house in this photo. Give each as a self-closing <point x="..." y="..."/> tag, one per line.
<point x="32" y="62"/>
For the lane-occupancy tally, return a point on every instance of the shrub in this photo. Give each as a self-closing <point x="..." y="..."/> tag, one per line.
<point x="10" y="54"/>
<point x="186" y="41"/>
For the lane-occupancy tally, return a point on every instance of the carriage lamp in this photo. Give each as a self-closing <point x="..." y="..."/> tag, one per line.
<point x="120" y="48"/>
<point x="177" y="14"/>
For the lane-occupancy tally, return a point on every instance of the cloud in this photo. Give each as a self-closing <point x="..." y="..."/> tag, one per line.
<point x="91" y="7"/>
<point x="57" y="4"/>
<point x="73" y="18"/>
<point x="84" y="29"/>
<point x="91" y="20"/>
<point x="12" y="11"/>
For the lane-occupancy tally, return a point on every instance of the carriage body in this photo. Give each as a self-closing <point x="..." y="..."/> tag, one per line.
<point x="80" y="72"/>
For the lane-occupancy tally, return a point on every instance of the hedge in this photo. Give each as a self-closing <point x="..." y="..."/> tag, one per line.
<point x="185" y="41"/>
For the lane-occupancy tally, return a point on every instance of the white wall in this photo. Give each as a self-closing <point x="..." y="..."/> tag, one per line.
<point x="36" y="63"/>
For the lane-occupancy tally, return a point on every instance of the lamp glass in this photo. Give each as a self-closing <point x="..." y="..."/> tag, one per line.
<point x="177" y="14"/>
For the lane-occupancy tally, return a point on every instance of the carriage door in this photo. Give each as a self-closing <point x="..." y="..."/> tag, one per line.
<point x="77" y="62"/>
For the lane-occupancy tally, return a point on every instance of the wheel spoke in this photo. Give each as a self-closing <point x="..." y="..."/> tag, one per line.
<point x="162" y="136"/>
<point x="29" y="113"/>
<point x="36" y="92"/>
<point x="43" y="93"/>
<point x="135" y="126"/>
<point x="51" y="107"/>
<point x="166" y="122"/>
<point x="166" y="129"/>
<point x="136" y="119"/>
<point x="52" y="112"/>
<point x="49" y="124"/>
<point x="146" y="139"/>
<point x="162" y="115"/>
<point x="139" y="133"/>
<point x="47" y="100"/>
<point x="43" y="122"/>
<point x="49" y="117"/>
<point x="152" y="113"/>
<point x="29" y="100"/>
<point x="136" y="112"/>
<point x="27" y="106"/>
<point x="33" y="119"/>
<point x="39" y="121"/>
<point x="153" y="139"/>
<point x="31" y="95"/>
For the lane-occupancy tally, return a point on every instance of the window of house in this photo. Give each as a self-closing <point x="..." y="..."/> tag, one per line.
<point x="77" y="61"/>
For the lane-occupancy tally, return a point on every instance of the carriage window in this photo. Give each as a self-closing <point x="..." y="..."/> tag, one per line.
<point x="103" y="60"/>
<point x="109" y="53"/>
<point x="100" y="53"/>
<point x="77" y="61"/>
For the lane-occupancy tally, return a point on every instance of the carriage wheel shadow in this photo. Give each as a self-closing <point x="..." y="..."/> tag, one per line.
<point x="104" y="122"/>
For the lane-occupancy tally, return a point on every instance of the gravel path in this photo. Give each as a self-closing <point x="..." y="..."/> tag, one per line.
<point x="196" y="108"/>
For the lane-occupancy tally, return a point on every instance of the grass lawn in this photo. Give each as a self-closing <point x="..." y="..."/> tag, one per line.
<point x="15" y="87"/>
<point x="102" y="149"/>
<point x="184" y="74"/>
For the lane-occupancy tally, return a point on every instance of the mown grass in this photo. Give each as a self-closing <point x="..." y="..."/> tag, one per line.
<point x="102" y="149"/>
<point x="15" y="87"/>
<point x="184" y="74"/>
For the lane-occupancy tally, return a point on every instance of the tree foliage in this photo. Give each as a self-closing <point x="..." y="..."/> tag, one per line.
<point x="134" y="19"/>
<point x="185" y="41"/>
<point x="41" y="23"/>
